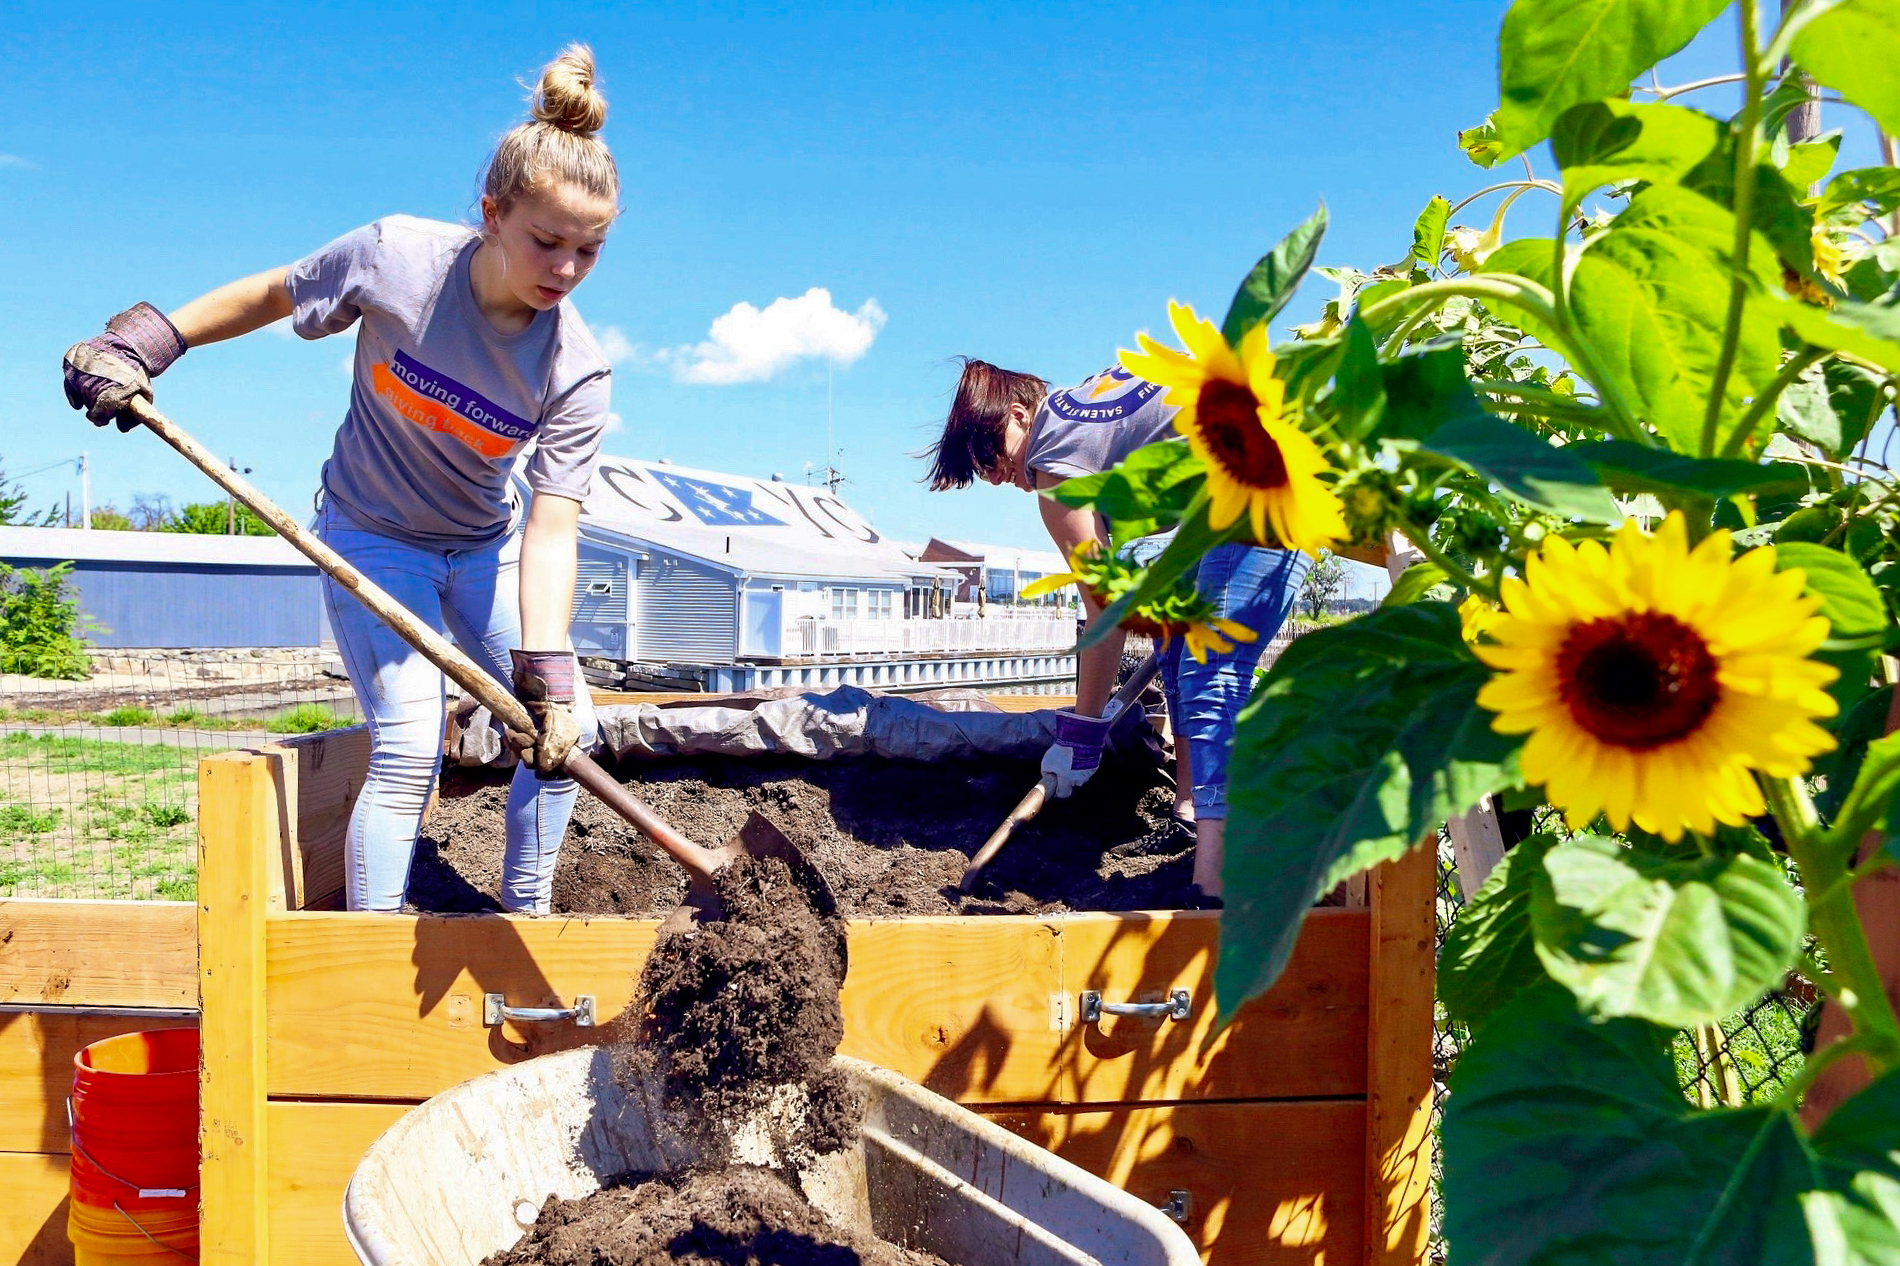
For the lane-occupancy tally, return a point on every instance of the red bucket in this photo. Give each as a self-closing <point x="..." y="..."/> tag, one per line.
<point x="135" y="1122"/>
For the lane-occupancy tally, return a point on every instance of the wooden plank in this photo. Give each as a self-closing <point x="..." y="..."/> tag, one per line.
<point x="1269" y="1184"/>
<point x="1306" y="1037"/>
<point x="389" y="1006"/>
<point x="283" y="871"/>
<point x="237" y="827"/>
<point x="966" y="1006"/>
<point x="1031" y="703"/>
<point x="1477" y="843"/>
<point x="1398" y="1152"/>
<point x="36" y="1069"/>
<point x="33" y="1210"/>
<point x="330" y="771"/>
<point x="314" y="1149"/>
<point x="99" y="953"/>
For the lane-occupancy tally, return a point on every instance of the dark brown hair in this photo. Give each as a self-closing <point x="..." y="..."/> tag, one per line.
<point x="973" y="433"/>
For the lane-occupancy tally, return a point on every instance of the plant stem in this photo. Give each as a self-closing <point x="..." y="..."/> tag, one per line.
<point x="1539" y="302"/>
<point x="1421" y="539"/>
<point x="1790" y="372"/>
<point x="1748" y="127"/>
<point x="1792" y="23"/>
<point x="1836" y="924"/>
<point x="1527" y="183"/>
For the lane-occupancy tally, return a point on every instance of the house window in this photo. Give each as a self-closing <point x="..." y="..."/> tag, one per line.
<point x="844" y="604"/>
<point x="878" y="604"/>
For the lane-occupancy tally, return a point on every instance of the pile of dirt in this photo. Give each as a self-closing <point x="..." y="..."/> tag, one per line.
<point x="891" y="837"/>
<point x="741" y="1217"/>
<point x="740" y="1021"/>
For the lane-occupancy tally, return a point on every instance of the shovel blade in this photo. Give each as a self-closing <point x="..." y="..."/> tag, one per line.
<point x="761" y="839"/>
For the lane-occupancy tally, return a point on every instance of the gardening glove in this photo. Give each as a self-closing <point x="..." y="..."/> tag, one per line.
<point x="103" y="374"/>
<point x="1077" y="752"/>
<point x="544" y="682"/>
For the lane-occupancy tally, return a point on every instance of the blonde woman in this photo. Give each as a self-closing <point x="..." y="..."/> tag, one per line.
<point x="468" y="352"/>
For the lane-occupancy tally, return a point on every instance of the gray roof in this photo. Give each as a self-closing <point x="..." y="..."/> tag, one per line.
<point x="34" y="545"/>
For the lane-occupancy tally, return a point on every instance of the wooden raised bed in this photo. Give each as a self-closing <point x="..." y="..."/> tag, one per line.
<point x="1299" y="1135"/>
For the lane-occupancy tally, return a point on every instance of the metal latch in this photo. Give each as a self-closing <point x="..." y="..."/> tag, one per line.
<point x="495" y="1009"/>
<point x="1179" y="1205"/>
<point x="1177" y="1007"/>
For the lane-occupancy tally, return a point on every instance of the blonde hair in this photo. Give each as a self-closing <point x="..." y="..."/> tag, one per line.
<point x="559" y="143"/>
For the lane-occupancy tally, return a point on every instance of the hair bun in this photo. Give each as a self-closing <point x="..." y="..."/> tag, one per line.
<point x="566" y="97"/>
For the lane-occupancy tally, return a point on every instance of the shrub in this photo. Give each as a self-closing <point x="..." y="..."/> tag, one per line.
<point x="40" y="624"/>
<point x="307" y="718"/>
<point x="127" y="714"/>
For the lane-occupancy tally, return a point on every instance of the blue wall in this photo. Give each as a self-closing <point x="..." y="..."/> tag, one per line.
<point x="160" y="604"/>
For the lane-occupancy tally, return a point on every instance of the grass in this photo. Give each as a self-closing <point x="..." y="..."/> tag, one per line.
<point x="128" y="716"/>
<point x="307" y="718"/>
<point x="94" y="818"/>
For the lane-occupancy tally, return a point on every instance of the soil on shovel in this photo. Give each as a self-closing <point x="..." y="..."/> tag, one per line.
<point x="891" y="837"/>
<point x="741" y="1020"/>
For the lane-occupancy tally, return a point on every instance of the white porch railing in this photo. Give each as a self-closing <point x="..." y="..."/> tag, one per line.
<point x="812" y="636"/>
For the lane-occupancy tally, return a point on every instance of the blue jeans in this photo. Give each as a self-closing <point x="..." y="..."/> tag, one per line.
<point x="1255" y="588"/>
<point x="472" y="595"/>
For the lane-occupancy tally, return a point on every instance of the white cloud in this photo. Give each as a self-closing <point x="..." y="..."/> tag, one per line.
<point x="614" y="423"/>
<point x="616" y="346"/>
<point x="14" y="160"/>
<point x="749" y="344"/>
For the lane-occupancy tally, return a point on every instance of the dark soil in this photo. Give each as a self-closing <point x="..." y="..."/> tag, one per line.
<point x="891" y="837"/>
<point x="739" y="1217"/>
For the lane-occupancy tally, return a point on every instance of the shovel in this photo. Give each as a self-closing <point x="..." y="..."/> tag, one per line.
<point x="758" y="838"/>
<point x="1030" y="805"/>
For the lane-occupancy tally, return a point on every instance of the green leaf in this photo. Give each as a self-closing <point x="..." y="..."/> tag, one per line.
<point x="1481" y="144"/>
<point x="1870" y="331"/>
<point x="1358" y="398"/>
<point x="1489" y="955"/>
<point x="1779" y="216"/>
<point x="1358" y="743"/>
<point x="1808" y="161"/>
<point x="1857" y="1220"/>
<point x="1673" y="942"/>
<point x="1602" y="142"/>
<point x="1554" y="54"/>
<point x="1532" y="259"/>
<point x="1193" y="539"/>
<point x="1146" y="493"/>
<point x="1651" y="294"/>
<point x="1424" y="390"/>
<point x="1428" y="231"/>
<point x="1528" y="468"/>
<point x="1858" y="726"/>
<point x="1630" y="468"/>
<point x="1415" y="584"/>
<point x="1273" y="280"/>
<point x="1871" y="191"/>
<point x="1832" y="405"/>
<point x="1868" y="805"/>
<point x="1567" y="1142"/>
<point x="1853" y="47"/>
<point x="1848" y="598"/>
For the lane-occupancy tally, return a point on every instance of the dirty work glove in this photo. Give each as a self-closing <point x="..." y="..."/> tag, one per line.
<point x="544" y="682"/>
<point x="103" y="374"/>
<point x="1077" y="751"/>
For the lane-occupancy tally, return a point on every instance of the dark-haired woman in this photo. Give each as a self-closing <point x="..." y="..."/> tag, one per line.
<point x="1006" y="427"/>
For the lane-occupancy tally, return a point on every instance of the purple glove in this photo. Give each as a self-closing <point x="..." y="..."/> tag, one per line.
<point x="103" y="374"/>
<point x="544" y="682"/>
<point x="1077" y="751"/>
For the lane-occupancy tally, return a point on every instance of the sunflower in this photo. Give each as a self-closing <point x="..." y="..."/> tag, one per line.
<point x="1233" y="412"/>
<point x="1182" y="611"/>
<point x="1475" y="617"/>
<point x="1653" y="679"/>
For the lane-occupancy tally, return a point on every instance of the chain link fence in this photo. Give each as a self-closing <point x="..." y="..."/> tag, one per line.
<point x="1745" y="1059"/>
<point x="98" y="778"/>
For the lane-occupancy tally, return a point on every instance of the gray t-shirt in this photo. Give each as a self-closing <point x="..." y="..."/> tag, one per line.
<point x="1086" y="429"/>
<point x="442" y="403"/>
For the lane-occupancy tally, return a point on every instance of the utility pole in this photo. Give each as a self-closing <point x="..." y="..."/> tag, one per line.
<point x="230" y="508"/>
<point x="1804" y="123"/>
<point x="85" y="491"/>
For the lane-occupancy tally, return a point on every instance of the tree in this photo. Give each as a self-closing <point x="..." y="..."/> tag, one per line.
<point x="151" y="511"/>
<point x="109" y="519"/>
<point x="213" y="518"/>
<point x="1324" y="583"/>
<point x="40" y="624"/>
<point x="13" y="509"/>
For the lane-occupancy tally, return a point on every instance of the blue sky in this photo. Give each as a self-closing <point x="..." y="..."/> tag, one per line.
<point x="1028" y="184"/>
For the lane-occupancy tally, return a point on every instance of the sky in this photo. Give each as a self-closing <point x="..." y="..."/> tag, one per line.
<point x="823" y="205"/>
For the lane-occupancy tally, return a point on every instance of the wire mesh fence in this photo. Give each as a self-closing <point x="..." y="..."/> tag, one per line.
<point x="1745" y="1059"/>
<point x="98" y="778"/>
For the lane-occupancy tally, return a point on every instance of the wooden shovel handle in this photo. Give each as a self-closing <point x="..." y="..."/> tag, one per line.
<point x="437" y="649"/>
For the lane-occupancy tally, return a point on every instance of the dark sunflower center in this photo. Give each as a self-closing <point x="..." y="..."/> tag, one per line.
<point x="1230" y="425"/>
<point x="1639" y="681"/>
